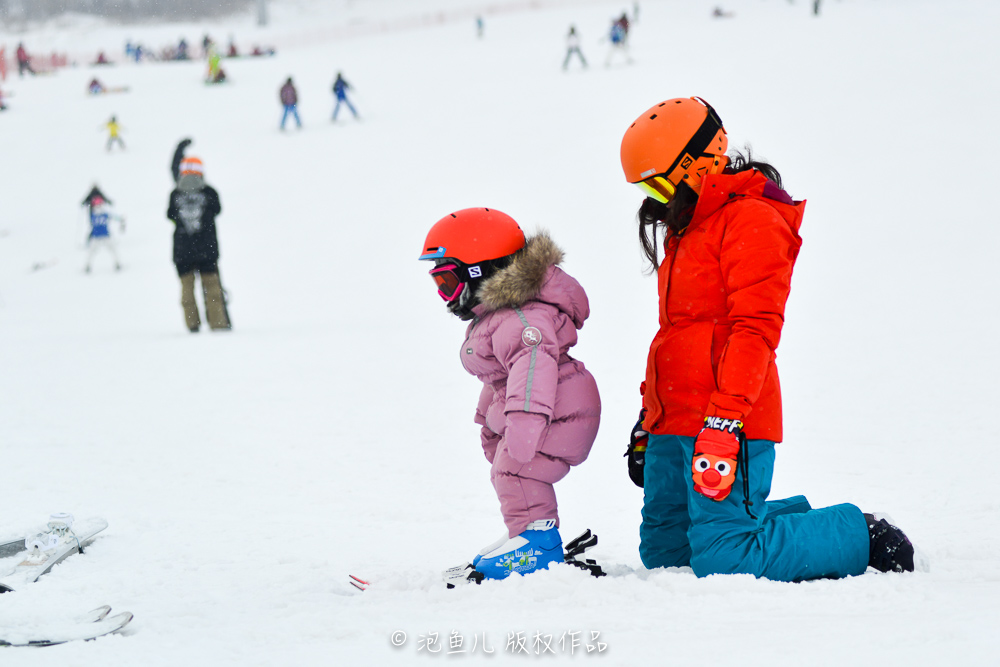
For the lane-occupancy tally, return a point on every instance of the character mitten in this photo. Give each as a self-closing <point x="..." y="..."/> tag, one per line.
<point x="713" y="467"/>
<point x="636" y="452"/>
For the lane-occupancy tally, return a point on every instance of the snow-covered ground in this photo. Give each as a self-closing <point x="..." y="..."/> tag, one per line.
<point x="244" y="475"/>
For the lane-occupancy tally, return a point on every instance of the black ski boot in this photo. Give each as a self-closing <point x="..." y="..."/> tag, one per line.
<point x="889" y="549"/>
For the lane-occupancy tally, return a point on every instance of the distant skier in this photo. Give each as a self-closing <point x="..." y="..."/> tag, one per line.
<point x="193" y="208"/>
<point x="539" y="408"/>
<point x="114" y="133"/>
<point x="100" y="216"/>
<point x="340" y="88"/>
<point x="23" y="61"/>
<point x="289" y="100"/>
<point x="480" y="26"/>
<point x="95" y="87"/>
<point x="215" y="73"/>
<point x="619" y="39"/>
<point x="3" y="107"/>
<point x="573" y="46"/>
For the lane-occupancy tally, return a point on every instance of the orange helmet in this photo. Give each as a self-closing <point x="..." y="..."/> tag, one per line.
<point x="473" y="235"/>
<point x="677" y="141"/>
<point x="467" y="247"/>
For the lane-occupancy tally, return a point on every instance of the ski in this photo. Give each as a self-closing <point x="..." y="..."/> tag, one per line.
<point x="62" y="538"/>
<point x="360" y="584"/>
<point x="466" y="573"/>
<point x="11" y="547"/>
<point x="576" y="548"/>
<point x="93" y="624"/>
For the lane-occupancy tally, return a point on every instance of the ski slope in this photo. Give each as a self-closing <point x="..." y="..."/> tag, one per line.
<point x="245" y="474"/>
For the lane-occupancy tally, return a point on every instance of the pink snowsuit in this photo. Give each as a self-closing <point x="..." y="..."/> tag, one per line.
<point x="539" y="407"/>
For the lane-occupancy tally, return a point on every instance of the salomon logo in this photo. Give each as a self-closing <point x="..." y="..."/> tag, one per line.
<point x="475" y="272"/>
<point x="686" y="162"/>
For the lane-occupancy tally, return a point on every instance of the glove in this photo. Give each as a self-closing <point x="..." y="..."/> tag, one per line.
<point x="636" y="452"/>
<point x="713" y="467"/>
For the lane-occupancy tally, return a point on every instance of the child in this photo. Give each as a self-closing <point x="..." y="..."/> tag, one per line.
<point x="114" y="133"/>
<point x="100" y="236"/>
<point x="539" y="408"/>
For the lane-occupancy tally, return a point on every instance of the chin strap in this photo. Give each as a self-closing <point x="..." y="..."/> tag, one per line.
<point x="462" y="307"/>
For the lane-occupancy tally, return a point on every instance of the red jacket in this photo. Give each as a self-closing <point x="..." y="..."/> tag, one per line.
<point x="723" y="285"/>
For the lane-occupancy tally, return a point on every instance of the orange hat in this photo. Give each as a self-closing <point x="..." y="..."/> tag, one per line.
<point x="680" y="140"/>
<point x="192" y="165"/>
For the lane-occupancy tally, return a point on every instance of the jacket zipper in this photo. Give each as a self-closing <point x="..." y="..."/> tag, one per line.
<point x="462" y="353"/>
<point x="666" y="317"/>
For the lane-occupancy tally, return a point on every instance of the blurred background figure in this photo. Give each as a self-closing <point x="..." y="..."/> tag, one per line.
<point x="100" y="217"/>
<point x="340" y="88"/>
<point x="618" y="36"/>
<point x="23" y="61"/>
<point x="289" y="100"/>
<point x="573" y="46"/>
<point x="114" y="133"/>
<point x="479" y="26"/>
<point x="193" y="208"/>
<point x="215" y="73"/>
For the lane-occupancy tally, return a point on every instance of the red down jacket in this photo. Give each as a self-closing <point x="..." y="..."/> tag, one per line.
<point x="723" y="285"/>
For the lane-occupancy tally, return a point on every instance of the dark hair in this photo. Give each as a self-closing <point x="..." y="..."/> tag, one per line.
<point x="674" y="217"/>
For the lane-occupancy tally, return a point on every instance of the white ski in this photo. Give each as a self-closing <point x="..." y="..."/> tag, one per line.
<point x="9" y="547"/>
<point x="91" y="625"/>
<point x="63" y="538"/>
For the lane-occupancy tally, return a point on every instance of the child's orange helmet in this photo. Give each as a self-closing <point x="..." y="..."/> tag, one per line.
<point x="467" y="247"/>
<point x="473" y="235"/>
<point x="677" y="141"/>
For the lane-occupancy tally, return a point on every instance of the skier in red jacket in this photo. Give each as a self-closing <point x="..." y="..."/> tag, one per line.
<point x="704" y="445"/>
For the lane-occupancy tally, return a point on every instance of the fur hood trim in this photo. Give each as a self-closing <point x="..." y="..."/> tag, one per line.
<point x="522" y="280"/>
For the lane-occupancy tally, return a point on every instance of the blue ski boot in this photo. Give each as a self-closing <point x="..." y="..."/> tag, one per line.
<point x="539" y="545"/>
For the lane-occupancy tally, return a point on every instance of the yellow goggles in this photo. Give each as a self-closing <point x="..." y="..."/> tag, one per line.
<point x="657" y="187"/>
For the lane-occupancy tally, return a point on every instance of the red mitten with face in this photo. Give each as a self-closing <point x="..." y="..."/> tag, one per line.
<point x="713" y="467"/>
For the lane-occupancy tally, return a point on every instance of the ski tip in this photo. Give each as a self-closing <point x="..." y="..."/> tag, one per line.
<point x="358" y="582"/>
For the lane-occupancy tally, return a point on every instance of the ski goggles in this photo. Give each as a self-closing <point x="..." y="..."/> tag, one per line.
<point x="448" y="282"/>
<point x="658" y="187"/>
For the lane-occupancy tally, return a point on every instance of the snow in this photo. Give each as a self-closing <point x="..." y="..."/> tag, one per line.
<point x="245" y="474"/>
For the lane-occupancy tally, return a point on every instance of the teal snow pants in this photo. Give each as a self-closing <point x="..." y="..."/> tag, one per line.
<point x="787" y="541"/>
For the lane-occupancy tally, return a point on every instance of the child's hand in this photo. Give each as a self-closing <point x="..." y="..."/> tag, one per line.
<point x="525" y="433"/>
<point x="636" y="451"/>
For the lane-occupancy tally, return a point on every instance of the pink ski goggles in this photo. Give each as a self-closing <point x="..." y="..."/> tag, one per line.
<point x="449" y="284"/>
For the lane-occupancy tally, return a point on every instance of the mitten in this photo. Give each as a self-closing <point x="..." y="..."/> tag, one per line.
<point x="713" y="467"/>
<point x="525" y="433"/>
<point x="636" y="452"/>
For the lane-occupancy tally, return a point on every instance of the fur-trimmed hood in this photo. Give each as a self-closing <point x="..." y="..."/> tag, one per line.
<point x="534" y="275"/>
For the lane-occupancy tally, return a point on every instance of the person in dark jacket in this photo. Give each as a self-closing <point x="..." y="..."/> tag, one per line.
<point x="289" y="99"/>
<point x="193" y="208"/>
